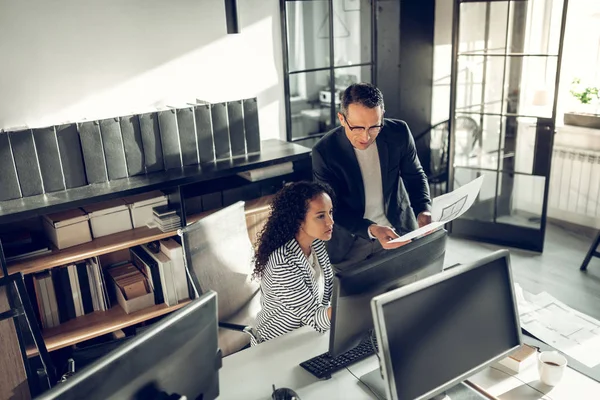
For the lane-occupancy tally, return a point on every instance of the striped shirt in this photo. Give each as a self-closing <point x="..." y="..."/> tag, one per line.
<point x="290" y="293"/>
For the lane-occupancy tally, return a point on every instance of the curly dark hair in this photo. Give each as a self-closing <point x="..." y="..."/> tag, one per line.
<point x="288" y="210"/>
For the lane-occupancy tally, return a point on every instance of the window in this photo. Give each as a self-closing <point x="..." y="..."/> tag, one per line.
<point x="328" y="45"/>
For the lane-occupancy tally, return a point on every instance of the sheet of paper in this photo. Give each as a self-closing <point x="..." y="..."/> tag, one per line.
<point x="447" y="207"/>
<point x="562" y="327"/>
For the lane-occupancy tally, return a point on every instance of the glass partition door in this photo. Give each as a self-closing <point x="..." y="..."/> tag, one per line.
<point x="506" y="68"/>
<point x="328" y="45"/>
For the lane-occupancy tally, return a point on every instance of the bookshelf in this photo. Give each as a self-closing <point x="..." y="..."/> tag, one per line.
<point x="99" y="323"/>
<point x="97" y="247"/>
<point x="177" y="184"/>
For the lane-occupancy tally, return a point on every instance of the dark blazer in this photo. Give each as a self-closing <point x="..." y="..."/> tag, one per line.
<point x="334" y="162"/>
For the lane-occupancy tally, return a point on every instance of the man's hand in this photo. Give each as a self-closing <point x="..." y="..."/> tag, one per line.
<point x="384" y="235"/>
<point x="424" y="218"/>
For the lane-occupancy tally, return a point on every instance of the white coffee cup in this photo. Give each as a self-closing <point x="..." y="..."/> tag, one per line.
<point x="551" y="366"/>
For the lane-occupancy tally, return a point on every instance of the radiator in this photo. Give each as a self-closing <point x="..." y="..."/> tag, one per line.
<point x="575" y="186"/>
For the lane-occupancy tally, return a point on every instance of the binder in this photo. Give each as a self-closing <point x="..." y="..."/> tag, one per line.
<point x="93" y="153"/>
<point x="28" y="169"/>
<point x="187" y="136"/>
<point x="169" y="136"/>
<point x="46" y="145"/>
<point x="149" y="267"/>
<point x="9" y="183"/>
<point x="153" y="157"/>
<point x="220" y="125"/>
<point x="84" y="285"/>
<point x="71" y="155"/>
<point x="114" y="150"/>
<point x="251" y="128"/>
<point x="204" y="133"/>
<point x="237" y="137"/>
<point x="132" y="144"/>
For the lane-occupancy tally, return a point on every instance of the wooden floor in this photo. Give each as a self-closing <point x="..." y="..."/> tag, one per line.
<point x="555" y="271"/>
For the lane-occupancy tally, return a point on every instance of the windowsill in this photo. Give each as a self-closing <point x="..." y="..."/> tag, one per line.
<point x="577" y="137"/>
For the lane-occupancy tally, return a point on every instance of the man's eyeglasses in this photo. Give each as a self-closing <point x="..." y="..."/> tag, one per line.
<point x="373" y="130"/>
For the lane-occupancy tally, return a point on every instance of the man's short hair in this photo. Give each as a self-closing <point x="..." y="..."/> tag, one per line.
<point x="365" y="94"/>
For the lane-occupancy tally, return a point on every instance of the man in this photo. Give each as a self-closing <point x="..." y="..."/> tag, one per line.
<point x="371" y="163"/>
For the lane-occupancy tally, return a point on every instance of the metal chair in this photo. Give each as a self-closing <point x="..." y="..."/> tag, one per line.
<point x="592" y="252"/>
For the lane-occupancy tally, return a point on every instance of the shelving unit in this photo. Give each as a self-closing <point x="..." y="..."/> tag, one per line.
<point x="99" y="323"/>
<point x="97" y="247"/>
<point x="177" y="184"/>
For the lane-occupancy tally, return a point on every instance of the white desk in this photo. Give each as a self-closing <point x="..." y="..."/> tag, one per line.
<point x="249" y="374"/>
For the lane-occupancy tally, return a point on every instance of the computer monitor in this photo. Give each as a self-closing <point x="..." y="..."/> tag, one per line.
<point x="178" y="355"/>
<point x="437" y="332"/>
<point x="351" y="318"/>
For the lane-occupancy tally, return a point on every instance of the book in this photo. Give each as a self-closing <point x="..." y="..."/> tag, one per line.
<point x="520" y="359"/>
<point x="174" y="251"/>
<point x="149" y="267"/>
<point x="165" y="268"/>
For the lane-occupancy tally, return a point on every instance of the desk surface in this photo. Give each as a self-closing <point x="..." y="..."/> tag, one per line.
<point x="249" y="375"/>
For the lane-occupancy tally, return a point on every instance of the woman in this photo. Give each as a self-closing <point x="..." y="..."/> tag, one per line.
<point x="292" y="262"/>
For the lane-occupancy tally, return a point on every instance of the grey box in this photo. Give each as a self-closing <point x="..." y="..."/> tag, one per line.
<point x="132" y="143"/>
<point x="46" y="145"/>
<point x="204" y="133"/>
<point x="93" y="153"/>
<point x="28" y="169"/>
<point x="114" y="151"/>
<point x="187" y="136"/>
<point x="237" y="137"/>
<point x="169" y="136"/>
<point x="153" y="157"/>
<point x="251" y="127"/>
<point x="9" y="183"/>
<point x="71" y="155"/>
<point x="220" y="125"/>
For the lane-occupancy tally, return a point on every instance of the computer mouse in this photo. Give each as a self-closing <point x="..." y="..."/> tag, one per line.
<point x="284" y="394"/>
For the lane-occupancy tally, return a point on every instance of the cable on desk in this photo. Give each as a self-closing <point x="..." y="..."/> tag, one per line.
<point x="364" y="384"/>
<point x="372" y="335"/>
<point x="523" y="382"/>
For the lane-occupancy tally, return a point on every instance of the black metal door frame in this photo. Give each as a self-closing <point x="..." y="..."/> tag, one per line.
<point x="495" y="232"/>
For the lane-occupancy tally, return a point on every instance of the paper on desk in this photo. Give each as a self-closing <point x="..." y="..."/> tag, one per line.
<point x="447" y="207"/>
<point x="560" y="326"/>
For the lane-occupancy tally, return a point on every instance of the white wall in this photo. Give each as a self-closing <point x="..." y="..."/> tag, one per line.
<point x="68" y="60"/>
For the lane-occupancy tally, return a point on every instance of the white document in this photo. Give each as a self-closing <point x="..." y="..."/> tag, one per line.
<point x="447" y="207"/>
<point x="560" y="326"/>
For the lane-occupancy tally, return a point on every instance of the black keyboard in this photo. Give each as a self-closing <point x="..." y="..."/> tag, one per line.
<point x="323" y="365"/>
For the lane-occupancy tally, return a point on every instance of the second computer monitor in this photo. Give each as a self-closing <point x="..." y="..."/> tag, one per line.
<point x="353" y="290"/>
<point x="436" y="333"/>
<point x="178" y="355"/>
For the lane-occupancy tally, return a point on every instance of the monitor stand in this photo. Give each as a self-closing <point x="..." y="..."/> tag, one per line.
<point x="376" y="384"/>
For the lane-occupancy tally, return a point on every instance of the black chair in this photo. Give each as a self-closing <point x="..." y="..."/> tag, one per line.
<point x="592" y="252"/>
<point x="434" y="150"/>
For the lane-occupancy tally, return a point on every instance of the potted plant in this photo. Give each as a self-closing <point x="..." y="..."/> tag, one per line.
<point x="587" y="113"/>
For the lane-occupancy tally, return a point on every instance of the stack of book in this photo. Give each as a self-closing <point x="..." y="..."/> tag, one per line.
<point x="67" y="292"/>
<point x="165" y="271"/>
<point x="165" y="218"/>
<point x="21" y="245"/>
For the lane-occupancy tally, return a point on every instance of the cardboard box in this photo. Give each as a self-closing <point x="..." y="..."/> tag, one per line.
<point x="133" y="305"/>
<point x="140" y="206"/>
<point x="108" y="217"/>
<point x="68" y="228"/>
